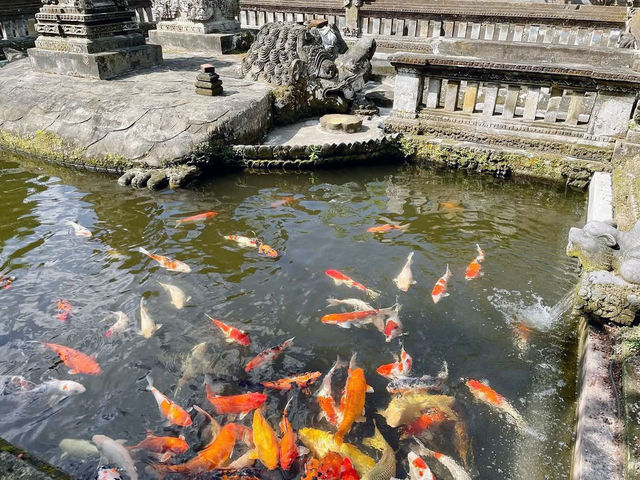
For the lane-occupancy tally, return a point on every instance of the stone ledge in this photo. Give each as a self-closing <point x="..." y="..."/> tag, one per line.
<point x="18" y="464"/>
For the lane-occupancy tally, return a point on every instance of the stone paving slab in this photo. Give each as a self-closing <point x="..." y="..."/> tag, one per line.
<point x="148" y="117"/>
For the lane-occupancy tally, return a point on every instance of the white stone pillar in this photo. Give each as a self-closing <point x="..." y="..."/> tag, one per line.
<point x="611" y="114"/>
<point x="408" y="90"/>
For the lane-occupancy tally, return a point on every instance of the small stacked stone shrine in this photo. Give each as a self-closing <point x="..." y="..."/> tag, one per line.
<point x="208" y="81"/>
<point x="197" y="25"/>
<point x="90" y="38"/>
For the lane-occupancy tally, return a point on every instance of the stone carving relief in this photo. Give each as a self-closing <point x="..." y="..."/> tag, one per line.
<point x="195" y="10"/>
<point x="610" y="286"/>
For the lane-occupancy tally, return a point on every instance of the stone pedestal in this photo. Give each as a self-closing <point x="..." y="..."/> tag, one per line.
<point x="196" y="25"/>
<point x="90" y="38"/>
<point x="208" y="82"/>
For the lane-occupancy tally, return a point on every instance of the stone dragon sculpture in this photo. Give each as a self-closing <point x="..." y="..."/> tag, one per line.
<point x="610" y="286"/>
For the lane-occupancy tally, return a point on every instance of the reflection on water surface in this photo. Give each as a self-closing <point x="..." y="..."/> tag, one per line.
<point x="503" y="327"/>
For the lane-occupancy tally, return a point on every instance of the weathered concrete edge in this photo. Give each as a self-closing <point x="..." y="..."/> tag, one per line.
<point x="18" y="463"/>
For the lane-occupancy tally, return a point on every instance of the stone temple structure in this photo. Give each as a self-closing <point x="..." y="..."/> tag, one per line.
<point x="90" y="38"/>
<point x="196" y="25"/>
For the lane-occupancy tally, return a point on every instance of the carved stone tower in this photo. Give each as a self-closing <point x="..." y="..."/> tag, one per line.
<point x="197" y="25"/>
<point x="90" y="38"/>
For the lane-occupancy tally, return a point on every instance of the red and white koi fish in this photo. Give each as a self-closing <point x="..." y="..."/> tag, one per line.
<point x="174" y="413"/>
<point x="283" y="201"/>
<point x="243" y="241"/>
<point x="488" y="395"/>
<point x="328" y="409"/>
<point x="105" y="473"/>
<point x="387" y="227"/>
<point x="197" y="218"/>
<point x="456" y="470"/>
<point x="269" y="355"/>
<point x="400" y="368"/>
<point x="79" y="230"/>
<point x="393" y="325"/>
<point x="121" y="324"/>
<point x="340" y="278"/>
<point x="64" y="310"/>
<point x="473" y="269"/>
<point x="354" y="303"/>
<point x="232" y="334"/>
<point x="77" y="361"/>
<point x="302" y="381"/>
<point x="433" y="416"/>
<point x="418" y="469"/>
<point x="168" y="263"/>
<point x="440" y="288"/>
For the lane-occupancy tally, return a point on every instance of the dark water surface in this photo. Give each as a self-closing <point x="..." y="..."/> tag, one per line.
<point x="521" y="228"/>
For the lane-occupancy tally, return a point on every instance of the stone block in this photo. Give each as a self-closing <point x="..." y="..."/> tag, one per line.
<point x="215" y="43"/>
<point x="103" y="65"/>
<point x="209" y="92"/>
<point x="340" y="122"/>
<point x="207" y="77"/>
<point x="211" y="85"/>
<point x="408" y="91"/>
<point x="611" y="115"/>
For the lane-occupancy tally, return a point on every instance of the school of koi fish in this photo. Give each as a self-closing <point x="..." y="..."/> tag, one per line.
<point x="420" y="410"/>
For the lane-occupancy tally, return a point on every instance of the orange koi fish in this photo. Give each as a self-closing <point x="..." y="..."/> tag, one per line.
<point x="311" y="469"/>
<point x="329" y="467"/>
<point x="77" y="361"/>
<point x="347" y="470"/>
<point x="266" y="250"/>
<point x="242" y="240"/>
<point x="432" y="417"/>
<point x="418" y="468"/>
<point x="522" y="334"/>
<point x="268" y="355"/>
<point x="266" y="441"/>
<point x="174" y="413"/>
<point x="165" y="447"/>
<point x="283" y="201"/>
<point x="340" y="278"/>
<point x="400" y="368"/>
<point x="197" y="218"/>
<point x="232" y="334"/>
<point x="387" y="227"/>
<point x="473" y="269"/>
<point x="356" y="319"/>
<point x="168" y="263"/>
<point x="288" y="447"/>
<point x="235" y="404"/>
<point x="64" y="310"/>
<point x="325" y="397"/>
<point x="216" y="454"/>
<point x="301" y="381"/>
<point x="488" y="395"/>
<point x="440" y="288"/>
<point x="352" y="401"/>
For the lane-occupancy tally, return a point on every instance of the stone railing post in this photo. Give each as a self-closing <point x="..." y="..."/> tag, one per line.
<point x="352" y="18"/>
<point x="408" y="91"/>
<point x="611" y="114"/>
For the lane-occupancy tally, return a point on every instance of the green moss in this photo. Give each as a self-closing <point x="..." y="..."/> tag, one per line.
<point x="51" y="147"/>
<point x="626" y="191"/>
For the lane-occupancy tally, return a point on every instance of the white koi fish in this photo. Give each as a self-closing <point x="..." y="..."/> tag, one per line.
<point x="456" y="470"/>
<point x="418" y="469"/>
<point x="404" y="280"/>
<point x="113" y="451"/>
<point x="147" y="326"/>
<point x="82" y="449"/>
<point x="79" y="230"/>
<point x="120" y="325"/>
<point x="178" y="298"/>
<point x="355" y="303"/>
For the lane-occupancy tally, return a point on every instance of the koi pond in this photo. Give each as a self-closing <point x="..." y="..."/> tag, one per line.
<point x="507" y="327"/>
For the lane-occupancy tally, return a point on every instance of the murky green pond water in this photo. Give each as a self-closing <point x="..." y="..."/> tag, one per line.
<point x="521" y="228"/>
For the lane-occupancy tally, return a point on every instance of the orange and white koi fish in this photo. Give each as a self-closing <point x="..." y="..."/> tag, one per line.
<point x="64" y="310"/>
<point x="266" y="250"/>
<point x="266" y="441"/>
<point x="215" y="455"/>
<point x="387" y="227"/>
<point x="426" y="383"/>
<point x="77" y="361"/>
<point x="283" y="201"/>
<point x="234" y="404"/>
<point x="168" y="263"/>
<point x="404" y="280"/>
<point x="354" y="303"/>
<point x="164" y="447"/>
<point x="197" y="218"/>
<point x="327" y="404"/>
<point x="79" y="230"/>
<point x="355" y="319"/>
<point x="393" y="325"/>
<point x="418" y="468"/>
<point x="105" y="473"/>
<point x="473" y="269"/>
<point x="302" y="381"/>
<point x="5" y="282"/>
<point x="174" y="413"/>
<point x="456" y="470"/>
<point x="432" y="417"/>
<point x="488" y="395"/>
<point x="288" y="447"/>
<point x="232" y="334"/>
<point x="340" y="278"/>
<point x="440" y="288"/>
<point x="120" y="325"/>
<point x="352" y="401"/>
<point x="242" y="240"/>
<point x="400" y="368"/>
<point x="268" y="355"/>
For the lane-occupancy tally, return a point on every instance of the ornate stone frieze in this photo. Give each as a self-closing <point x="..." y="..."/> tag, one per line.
<point x="184" y="12"/>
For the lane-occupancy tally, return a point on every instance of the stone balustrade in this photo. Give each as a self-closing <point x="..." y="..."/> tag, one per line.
<point x="255" y="13"/>
<point x="470" y="98"/>
<point x="142" y="9"/>
<point x="17" y="18"/>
